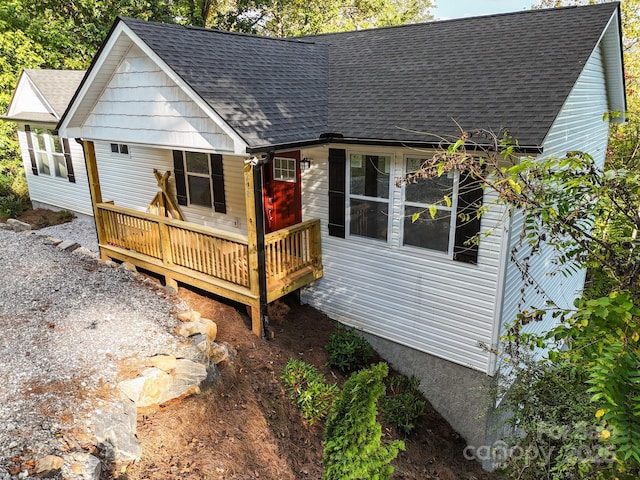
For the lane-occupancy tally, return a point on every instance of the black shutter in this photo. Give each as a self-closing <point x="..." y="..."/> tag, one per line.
<point x="337" y="187"/>
<point x="32" y="154"/>
<point x="178" y="173"/>
<point x="67" y="159"/>
<point x="470" y="195"/>
<point x="217" y="176"/>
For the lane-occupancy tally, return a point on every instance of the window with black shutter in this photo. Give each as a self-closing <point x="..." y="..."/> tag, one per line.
<point x="199" y="180"/>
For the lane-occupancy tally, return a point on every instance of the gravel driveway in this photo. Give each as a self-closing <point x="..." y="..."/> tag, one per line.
<point x="66" y="323"/>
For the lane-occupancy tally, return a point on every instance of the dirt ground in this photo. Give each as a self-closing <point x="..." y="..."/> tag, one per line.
<point x="41" y="217"/>
<point x="245" y="427"/>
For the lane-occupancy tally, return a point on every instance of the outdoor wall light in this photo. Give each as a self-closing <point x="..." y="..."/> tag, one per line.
<point x="305" y="164"/>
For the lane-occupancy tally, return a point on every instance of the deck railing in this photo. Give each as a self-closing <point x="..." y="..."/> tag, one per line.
<point x="215" y="253"/>
<point x="292" y="249"/>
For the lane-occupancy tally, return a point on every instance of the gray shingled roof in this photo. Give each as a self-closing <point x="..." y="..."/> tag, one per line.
<point x="269" y="90"/>
<point x="56" y="86"/>
<point x="510" y="71"/>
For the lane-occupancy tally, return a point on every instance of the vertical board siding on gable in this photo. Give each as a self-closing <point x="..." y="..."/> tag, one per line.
<point x="141" y="104"/>
<point x="59" y="192"/>
<point x="128" y="180"/>
<point x="579" y="126"/>
<point x="406" y="295"/>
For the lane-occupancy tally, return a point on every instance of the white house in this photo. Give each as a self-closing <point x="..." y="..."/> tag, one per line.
<point x="54" y="166"/>
<point x="327" y="124"/>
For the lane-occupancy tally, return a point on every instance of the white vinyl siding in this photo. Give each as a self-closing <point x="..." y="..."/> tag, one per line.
<point x="128" y="180"/>
<point x="58" y="192"/>
<point x="411" y="296"/>
<point x="579" y="126"/>
<point x="142" y="104"/>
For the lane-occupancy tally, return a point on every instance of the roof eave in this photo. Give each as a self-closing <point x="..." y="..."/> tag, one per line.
<point x="523" y="149"/>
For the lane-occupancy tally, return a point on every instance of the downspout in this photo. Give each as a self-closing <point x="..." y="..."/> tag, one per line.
<point x="260" y="243"/>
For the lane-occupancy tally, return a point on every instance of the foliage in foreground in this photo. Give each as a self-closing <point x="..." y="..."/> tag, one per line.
<point x="348" y="351"/>
<point x="403" y="403"/>
<point x="580" y="215"/>
<point x="353" y="438"/>
<point x="309" y="390"/>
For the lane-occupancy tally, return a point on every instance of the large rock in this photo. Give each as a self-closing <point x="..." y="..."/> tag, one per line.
<point x="189" y="316"/>
<point x="115" y="431"/>
<point x="203" y="326"/>
<point x="48" y="466"/>
<point x="166" y="363"/>
<point x="147" y="389"/>
<point x="155" y="386"/>
<point x="18" y="226"/>
<point x="81" y="466"/>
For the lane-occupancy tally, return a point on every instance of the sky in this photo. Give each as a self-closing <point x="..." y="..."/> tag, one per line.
<point x="471" y="8"/>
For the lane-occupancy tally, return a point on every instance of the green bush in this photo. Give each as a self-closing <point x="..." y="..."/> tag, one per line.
<point x="403" y="404"/>
<point x="308" y="389"/>
<point x="65" y="216"/>
<point x="348" y="351"/>
<point x="353" y="447"/>
<point x="12" y="205"/>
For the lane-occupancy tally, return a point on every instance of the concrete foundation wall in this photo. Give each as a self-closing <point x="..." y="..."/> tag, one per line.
<point x="464" y="397"/>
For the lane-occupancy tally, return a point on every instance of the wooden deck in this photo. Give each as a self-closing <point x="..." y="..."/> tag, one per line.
<point x="214" y="260"/>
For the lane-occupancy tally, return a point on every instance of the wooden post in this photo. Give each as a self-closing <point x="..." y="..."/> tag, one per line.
<point x="94" y="188"/>
<point x="255" y="234"/>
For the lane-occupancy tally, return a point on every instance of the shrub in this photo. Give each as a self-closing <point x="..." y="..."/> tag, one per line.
<point x="13" y="206"/>
<point x="353" y="447"/>
<point x="308" y="389"/>
<point x="348" y="351"/>
<point x="403" y="404"/>
<point x="65" y="216"/>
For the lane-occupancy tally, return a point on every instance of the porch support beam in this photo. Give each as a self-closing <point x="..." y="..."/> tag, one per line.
<point x="94" y="188"/>
<point x="257" y="261"/>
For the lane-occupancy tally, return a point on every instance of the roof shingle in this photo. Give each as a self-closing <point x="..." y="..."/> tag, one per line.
<point x="410" y="83"/>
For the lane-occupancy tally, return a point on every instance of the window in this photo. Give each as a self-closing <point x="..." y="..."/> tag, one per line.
<point x="421" y="229"/>
<point x="369" y="177"/>
<point x="198" y="172"/>
<point x="120" y="148"/>
<point x="49" y="153"/>
<point x="284" y="169"/>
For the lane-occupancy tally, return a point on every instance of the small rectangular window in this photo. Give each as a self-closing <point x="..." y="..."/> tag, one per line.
<point x="284" y="169"/>
<point x="120" y="148"/>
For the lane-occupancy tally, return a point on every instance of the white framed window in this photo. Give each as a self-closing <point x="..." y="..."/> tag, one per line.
<point x="421" y="198"/>
<point x="369" y="188"/>
<point x="121" y="148"/>
<point x="49" y="153"/>
<point x="284" y="169"/>
<point x="198" y="175"/>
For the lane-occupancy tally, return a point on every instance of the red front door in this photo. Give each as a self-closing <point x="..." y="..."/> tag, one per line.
<point x="282" y="191"/>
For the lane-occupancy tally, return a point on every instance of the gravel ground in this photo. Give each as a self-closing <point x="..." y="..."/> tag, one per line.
<point x="66" y="323"/>
<point x="80" y="230"/>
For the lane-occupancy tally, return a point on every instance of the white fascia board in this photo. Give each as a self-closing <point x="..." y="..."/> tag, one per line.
<point x="87" y="84"/>
<point x="610" y="40"/>
<point x="41" y="97"/>
<point x="11" y="110"/>
<point x="240" y="146"/>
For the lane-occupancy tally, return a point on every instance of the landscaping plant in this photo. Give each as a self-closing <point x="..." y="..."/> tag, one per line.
<point x="309" y="390"/>
<point x="403" y="404"/>
<point x="347" y="350"/>
<point x="353" y="438"/>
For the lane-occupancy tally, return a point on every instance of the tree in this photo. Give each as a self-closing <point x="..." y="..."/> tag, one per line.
<point x="562" y="200"/>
